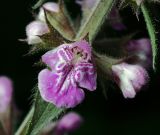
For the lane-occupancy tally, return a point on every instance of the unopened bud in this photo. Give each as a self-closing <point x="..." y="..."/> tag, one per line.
<point x="34" y="30"/>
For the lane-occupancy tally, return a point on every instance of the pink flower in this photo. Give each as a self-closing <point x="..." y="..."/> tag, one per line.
<point x="34" y="30"/>
<point x="50" y="6"/>
<point x="130" y="78"/>
<point x="142" y="49"/>
<point x="6" y="90"/>
<point x="71" y="69"/>
<point x="68" y="123"/>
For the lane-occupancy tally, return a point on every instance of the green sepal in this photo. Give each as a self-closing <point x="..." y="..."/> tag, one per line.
<point x="61" y="22"/>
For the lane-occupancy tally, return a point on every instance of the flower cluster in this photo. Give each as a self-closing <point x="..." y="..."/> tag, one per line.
<point x="71" y="66"/>
<point x="74" y="62"/>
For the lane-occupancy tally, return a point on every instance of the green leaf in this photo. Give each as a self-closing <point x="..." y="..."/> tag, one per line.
<point x="43" y="114"/>
<point x="151" y="31"/>
<point x="38" y="117"/>
<point x="24" y="125"/>
<point x="53" y="38"/>
<point x="93" y="18"/>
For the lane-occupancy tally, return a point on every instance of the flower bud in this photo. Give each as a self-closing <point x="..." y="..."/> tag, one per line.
<point x="69" y="123"/>
<point x="34" y="30"/>
<point x="6" y="90"/>
<point x="130" y="78"/>
<point x="50" y="6"/>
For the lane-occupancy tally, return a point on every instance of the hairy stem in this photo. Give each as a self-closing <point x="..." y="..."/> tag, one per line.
<point x="151" y="32"/>
<point x="24" y="126"/>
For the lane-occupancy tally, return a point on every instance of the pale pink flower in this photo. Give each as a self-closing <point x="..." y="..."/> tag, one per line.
<point x="34" y="30"/>
<point x="130" y="78"/>
<point x="71" y="69"/>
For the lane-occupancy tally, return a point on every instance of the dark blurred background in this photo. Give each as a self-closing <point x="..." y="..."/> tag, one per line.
<point x="113" y="116"/>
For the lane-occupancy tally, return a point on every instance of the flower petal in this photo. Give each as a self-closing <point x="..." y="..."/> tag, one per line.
<point x="127" y="88"/>
<point x="59" y="89"/>
<point x="57" y="58"/>
<point x="85" y="75"/>
<point x="142" y="76"/>
<point x="35" y="29"/>
<point x="71" y="98"/>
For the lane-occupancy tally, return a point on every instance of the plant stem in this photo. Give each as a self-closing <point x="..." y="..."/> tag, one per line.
<point x="38" y="4"/>
<point x="151" y="32"/>
<point x="24" y="126"/>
